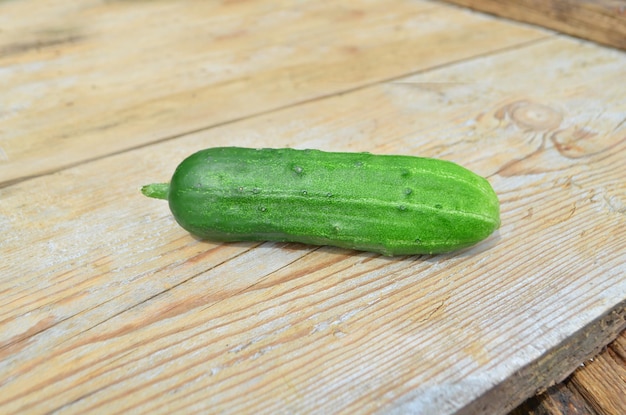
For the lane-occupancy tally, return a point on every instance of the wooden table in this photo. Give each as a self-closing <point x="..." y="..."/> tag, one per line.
<point x="109" y="306"/>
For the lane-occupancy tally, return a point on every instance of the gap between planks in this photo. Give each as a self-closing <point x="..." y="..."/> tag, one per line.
<point x="519" y="46"/>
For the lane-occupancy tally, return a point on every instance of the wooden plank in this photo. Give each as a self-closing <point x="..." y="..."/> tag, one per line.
<point x="603" y="381"/>
<point x="108" y="304"/>
<point x="91" y="78"/>
<point x="595" y="388"/>
<point x="557" y="400"/>
<point x="602" y="21"/>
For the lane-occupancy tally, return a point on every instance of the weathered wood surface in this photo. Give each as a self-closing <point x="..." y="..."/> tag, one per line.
<point x="107" y="304"/>
<point x="602" y="21"/>
<point x="88" y="79"/>
<point x="597" y="387"/>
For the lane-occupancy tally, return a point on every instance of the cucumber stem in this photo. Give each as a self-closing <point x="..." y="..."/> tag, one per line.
<point x="156" y="190"/>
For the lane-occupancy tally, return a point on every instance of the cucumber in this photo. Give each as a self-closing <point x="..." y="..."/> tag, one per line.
<point x="389" y="204"/>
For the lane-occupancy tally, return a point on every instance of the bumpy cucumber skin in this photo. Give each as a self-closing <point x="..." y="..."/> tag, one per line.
<point x="390" y="204"/>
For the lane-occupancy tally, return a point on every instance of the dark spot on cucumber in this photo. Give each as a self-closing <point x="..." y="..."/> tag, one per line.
<point x="402" y="208"/>
<point x="438" y="206"/>
<point x="298" y="170"/>
<point x="408" y="191"/>
<point x="305" y="193"/>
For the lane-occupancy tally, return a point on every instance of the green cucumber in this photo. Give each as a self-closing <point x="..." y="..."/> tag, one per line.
<point x="389" y="204"/>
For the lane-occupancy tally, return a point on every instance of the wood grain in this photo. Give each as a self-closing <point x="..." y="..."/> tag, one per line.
<point x="90" y="78"/>
<point x="602" y="21"/>
<point x="597" y="387"/>
<point x="604" y="382"/>
<point x="107" y="303"/>
<point x="557" y="400"/>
